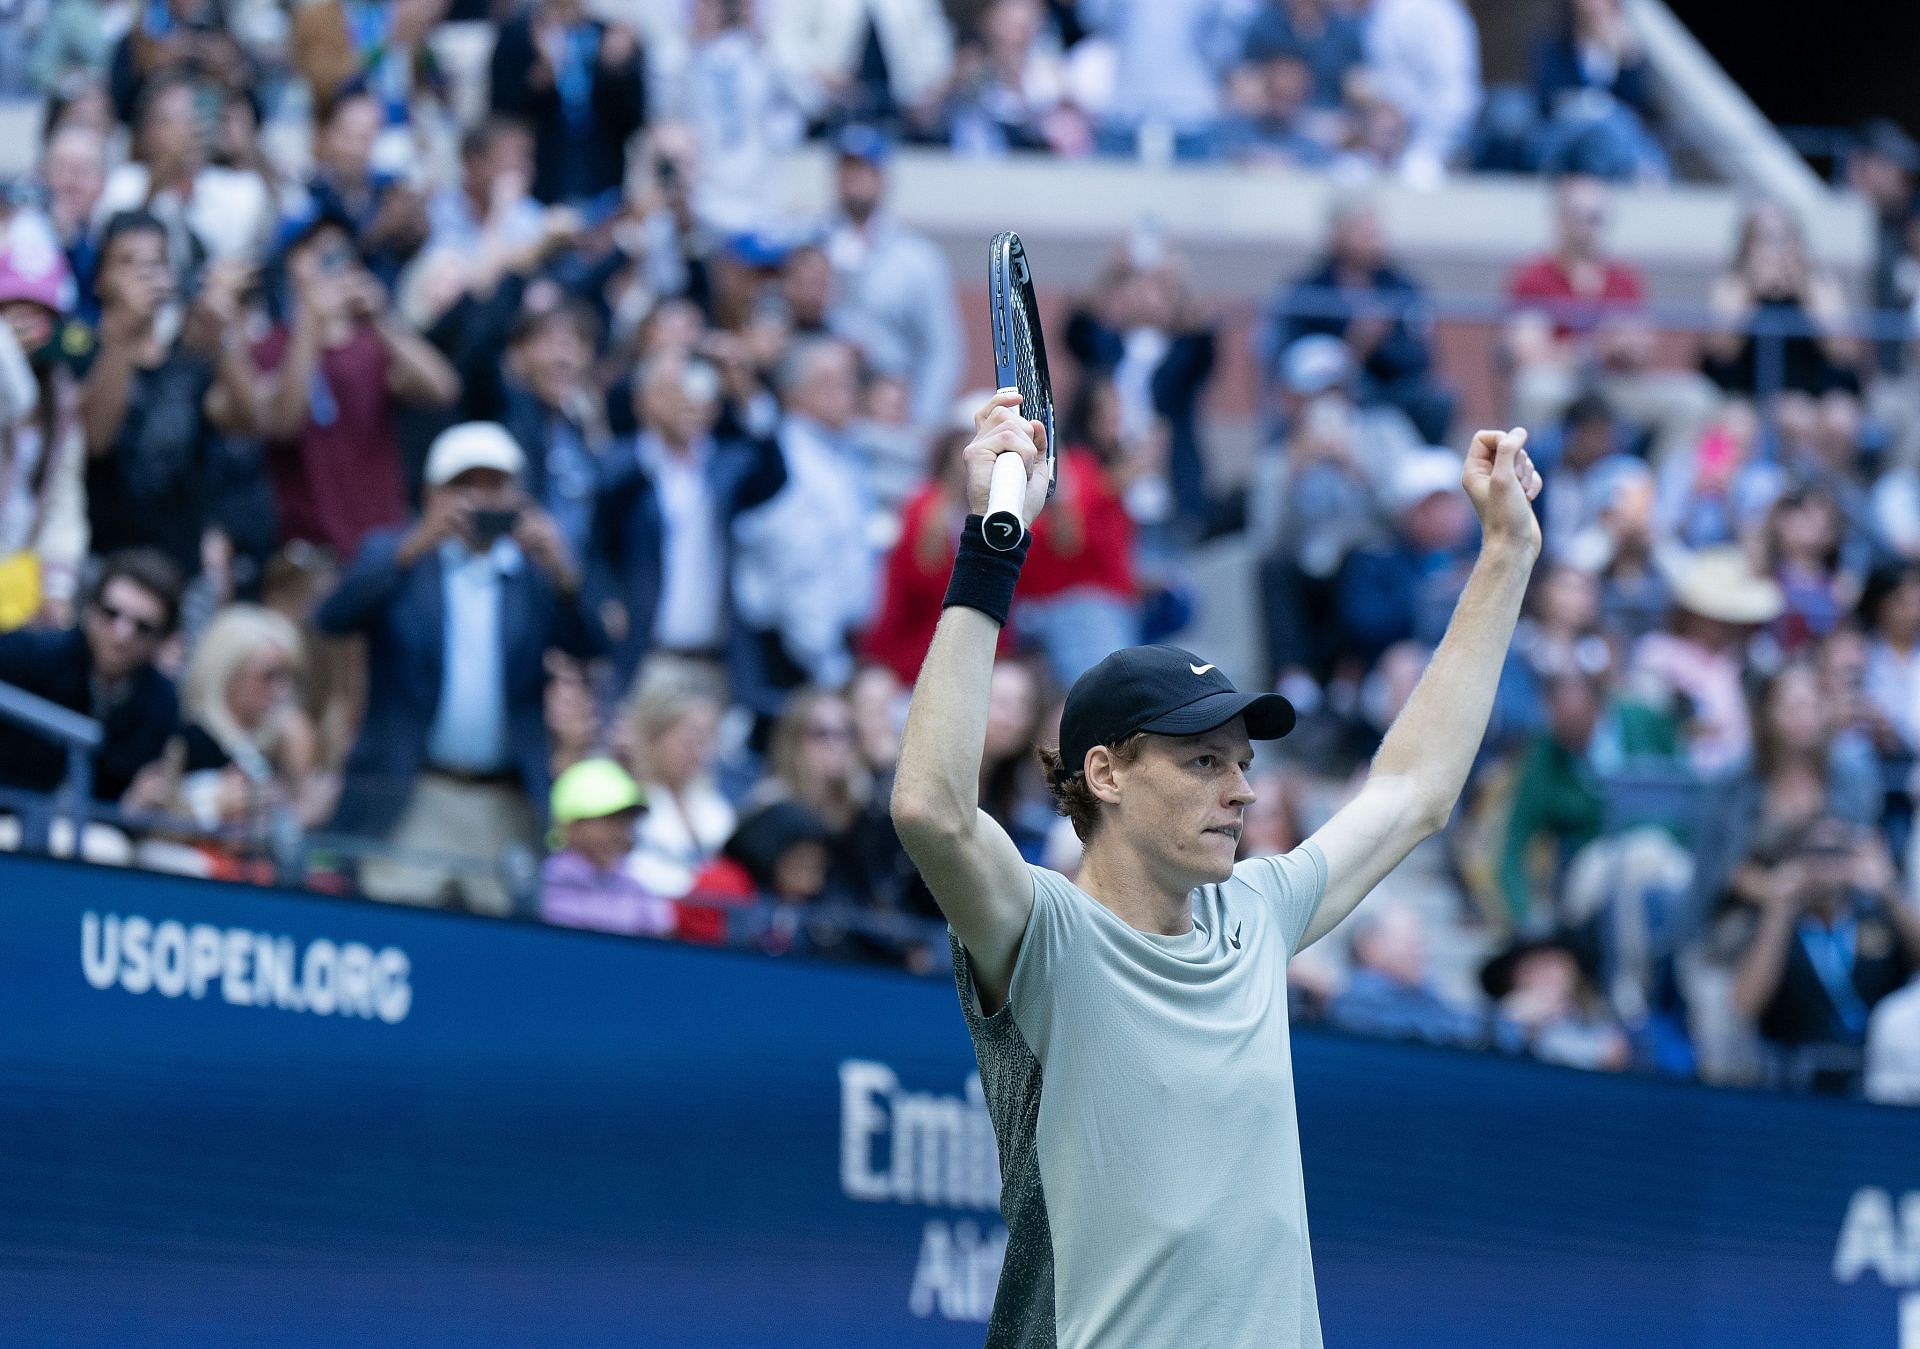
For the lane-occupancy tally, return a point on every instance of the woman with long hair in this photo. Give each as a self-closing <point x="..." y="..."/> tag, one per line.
<point x="1693" y="668"/>
<point x="672" y="721"/>
<point x="1803" y="768"/>
<point x="812" y="759"/>
<point x="1011" y="787"/>
<point x="1773" y="282"/>
<point x="816" y="761"/>
<point x="1800" y="547"/>
<point x="250" y="748"/>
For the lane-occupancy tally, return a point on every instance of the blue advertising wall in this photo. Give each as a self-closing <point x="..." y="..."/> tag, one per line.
<point x="230" y="1116"/>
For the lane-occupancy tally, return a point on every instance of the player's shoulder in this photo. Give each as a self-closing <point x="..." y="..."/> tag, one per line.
<point x="1056" y="888"/>
<point x="1064" y="913"/>
<point x="1285" y="875"/>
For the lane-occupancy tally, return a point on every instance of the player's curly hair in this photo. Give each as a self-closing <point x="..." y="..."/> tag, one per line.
<point x="1071" y="795"/>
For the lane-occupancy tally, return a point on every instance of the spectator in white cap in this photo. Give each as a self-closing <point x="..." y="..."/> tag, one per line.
<point x="458" y="612"/>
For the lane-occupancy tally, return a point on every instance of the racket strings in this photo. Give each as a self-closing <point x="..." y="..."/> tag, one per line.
<point x="1034" y="394"/>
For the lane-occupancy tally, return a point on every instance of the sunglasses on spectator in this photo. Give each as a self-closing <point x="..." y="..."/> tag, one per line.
<point x="145" y="627"/>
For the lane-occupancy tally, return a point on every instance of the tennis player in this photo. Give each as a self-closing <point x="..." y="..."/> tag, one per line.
<point x="1131" y="1025"/>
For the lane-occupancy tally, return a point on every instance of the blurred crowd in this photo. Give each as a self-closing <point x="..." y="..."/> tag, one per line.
<point x="427" y="456"/>
<point x="1693" y="815"/>
<point x="1361" y="88"/>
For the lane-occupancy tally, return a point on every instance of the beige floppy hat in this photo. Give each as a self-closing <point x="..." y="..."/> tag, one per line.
<point x="1720" y="583"/>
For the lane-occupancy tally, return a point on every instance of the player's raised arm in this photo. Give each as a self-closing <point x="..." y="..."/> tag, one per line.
<point x="976" y="874"/>
<point x="1423" y="762"/>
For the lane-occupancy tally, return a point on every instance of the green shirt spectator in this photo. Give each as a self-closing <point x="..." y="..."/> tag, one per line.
<point x="1559" y="791"/>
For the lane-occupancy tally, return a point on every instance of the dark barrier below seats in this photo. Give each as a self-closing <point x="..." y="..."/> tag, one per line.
<point x="234" y="1116"/>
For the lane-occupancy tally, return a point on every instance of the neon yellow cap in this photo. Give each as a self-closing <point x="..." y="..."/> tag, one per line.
<point x="593" y="789"/>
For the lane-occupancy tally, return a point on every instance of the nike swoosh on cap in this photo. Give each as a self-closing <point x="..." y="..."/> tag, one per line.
<point x="1200" y="669"/>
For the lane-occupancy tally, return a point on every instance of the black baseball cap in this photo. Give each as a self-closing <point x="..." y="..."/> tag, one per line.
<point x="1163" y="689"/>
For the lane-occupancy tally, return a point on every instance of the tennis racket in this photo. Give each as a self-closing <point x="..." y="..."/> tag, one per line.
<point x="1019" y="362"/>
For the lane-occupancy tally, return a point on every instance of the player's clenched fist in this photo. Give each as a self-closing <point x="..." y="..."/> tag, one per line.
<point x="998" y="428"/>
<point x="1501" y="482"/>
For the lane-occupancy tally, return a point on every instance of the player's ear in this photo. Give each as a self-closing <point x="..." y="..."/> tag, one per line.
<point x="1103" y="774"/>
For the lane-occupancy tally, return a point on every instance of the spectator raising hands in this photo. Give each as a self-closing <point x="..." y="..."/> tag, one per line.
<point x="579" y="84"/>
<point x="152" y="406"/>
<point x="335" y="373"/>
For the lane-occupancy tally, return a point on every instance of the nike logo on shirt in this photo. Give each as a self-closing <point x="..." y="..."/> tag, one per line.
<point x="1200" y="669"/>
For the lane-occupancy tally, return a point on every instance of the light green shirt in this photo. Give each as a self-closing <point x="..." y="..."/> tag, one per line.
<point x="1141" y="1088"/>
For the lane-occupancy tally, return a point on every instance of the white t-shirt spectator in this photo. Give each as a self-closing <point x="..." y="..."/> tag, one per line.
<point x="678" y="836"/>
<point x="741" y="118"/>
<point x="1425" y="55"/>
<point x="818" y="43"/>
<point x="784" y="580"/>
<point x="231" y="213"/>
<point x="1892" y="683"/>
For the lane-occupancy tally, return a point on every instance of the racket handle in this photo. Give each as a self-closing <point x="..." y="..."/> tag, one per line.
<point x="1006" y="493"/>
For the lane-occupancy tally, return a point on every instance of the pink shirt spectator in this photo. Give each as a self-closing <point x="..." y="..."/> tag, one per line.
<point x="575" y="893"/>
<point x="1719" y="733"/>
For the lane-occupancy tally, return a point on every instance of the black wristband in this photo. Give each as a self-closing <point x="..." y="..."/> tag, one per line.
<point x="983" y="578"/>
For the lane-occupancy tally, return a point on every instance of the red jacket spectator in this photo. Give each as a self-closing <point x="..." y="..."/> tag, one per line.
<point x="1083" y="539"/>
<point x="1575" y="299"/>
<point x="1085" y="536"/>
<point x="1575" y="282"/>
<point x="701" y="914"/>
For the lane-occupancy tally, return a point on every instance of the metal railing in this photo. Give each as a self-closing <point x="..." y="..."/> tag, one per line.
<point x="1330" y="302"/>
<point x="303" y="859"/>
<point x="80" y="736"/>
<point x="1771" y="331"/>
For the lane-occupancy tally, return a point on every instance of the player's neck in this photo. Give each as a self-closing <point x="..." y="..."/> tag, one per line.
<point x="1116" y="875"/>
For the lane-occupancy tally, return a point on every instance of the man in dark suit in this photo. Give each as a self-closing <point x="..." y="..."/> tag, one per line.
<point x="104" y="669"/>
<point x="579" y="84"/>
<point x="1145" y="335"/>
<point x="1357" y="295"/>
<point x="663" y="530"/>
<point x="459" y="612"/>
<point x="557" y="414"/>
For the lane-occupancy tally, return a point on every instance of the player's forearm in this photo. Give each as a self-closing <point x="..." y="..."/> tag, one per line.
<point x="1432" y="743"/>
<point x="938" y="781"/>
